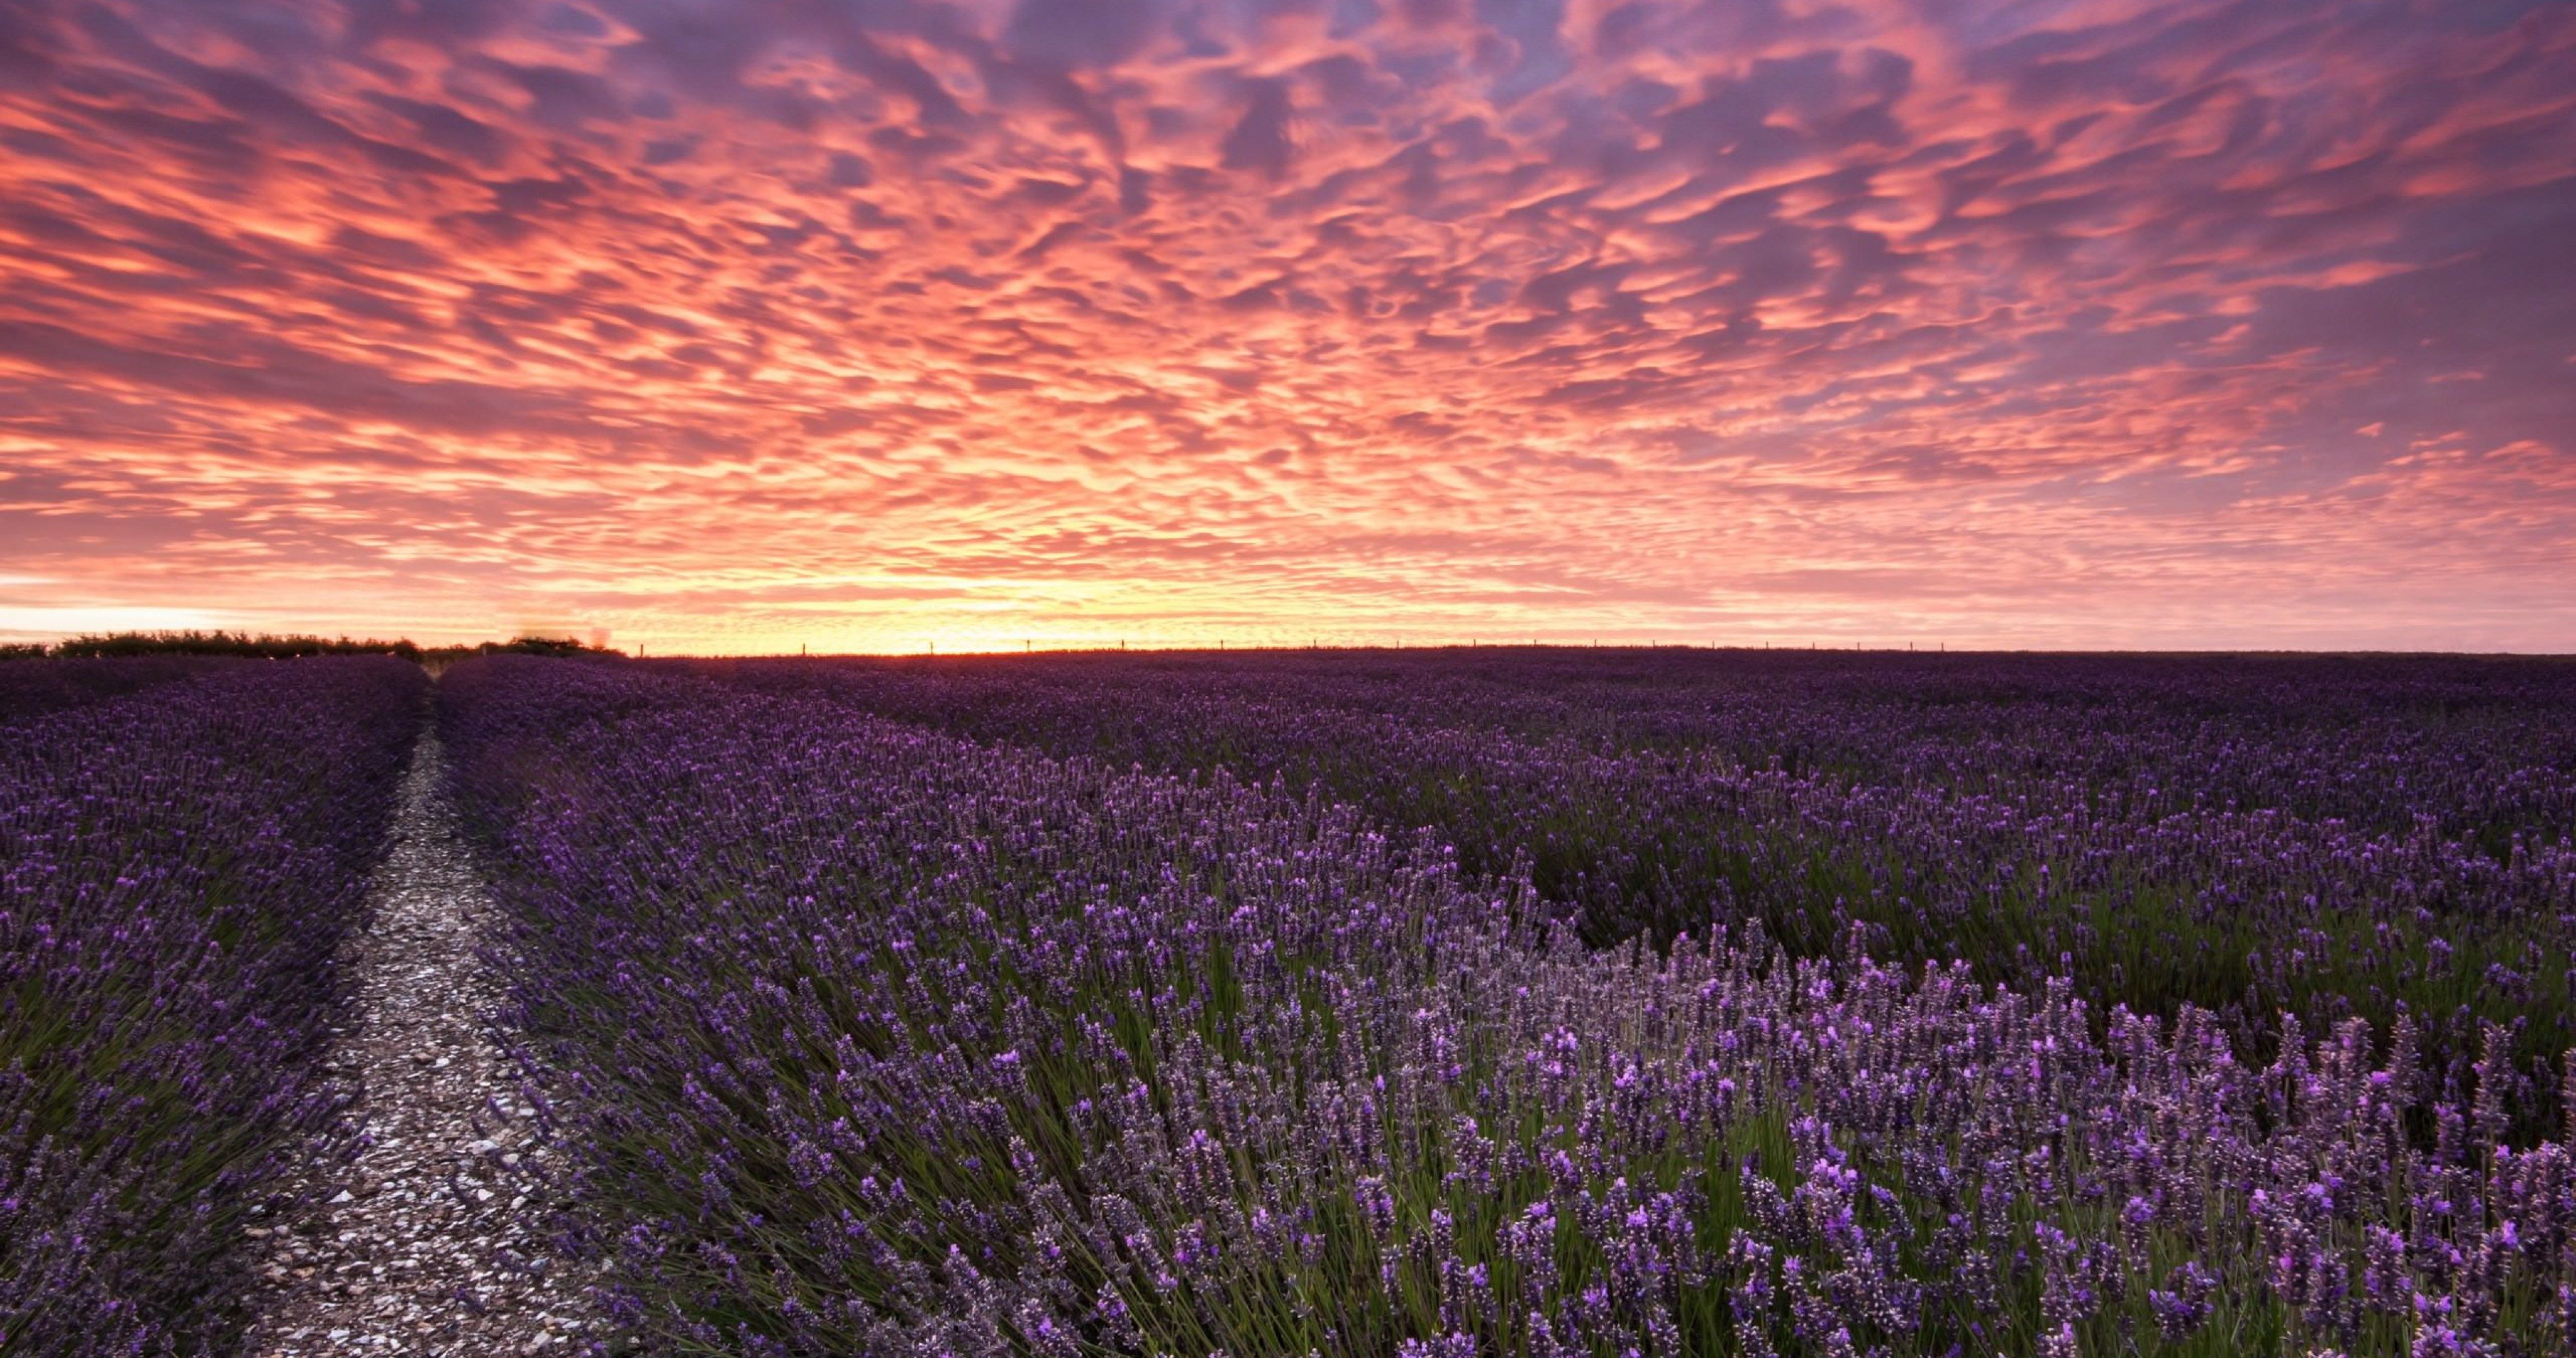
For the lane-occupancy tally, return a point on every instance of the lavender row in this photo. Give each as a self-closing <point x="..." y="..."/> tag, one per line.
<point x="878" y="1041"/>
<point x="177" y="868"/>
<point x="33" y="686"/>
<point x="2485" y="745"/>
<point x="2326" y="838"/>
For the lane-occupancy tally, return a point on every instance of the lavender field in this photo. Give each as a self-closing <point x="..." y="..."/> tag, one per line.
<point x="182" y="847"/>
<point x="1481" y="1002"/>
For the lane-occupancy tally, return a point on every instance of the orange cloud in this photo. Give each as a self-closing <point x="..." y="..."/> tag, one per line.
<point x="868" y="322"/>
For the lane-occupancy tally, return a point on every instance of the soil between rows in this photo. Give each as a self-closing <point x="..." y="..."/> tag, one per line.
<point x="433" y="1241"/>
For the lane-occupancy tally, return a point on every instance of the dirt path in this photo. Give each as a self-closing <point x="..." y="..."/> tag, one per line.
<point x="431" y="1243"/>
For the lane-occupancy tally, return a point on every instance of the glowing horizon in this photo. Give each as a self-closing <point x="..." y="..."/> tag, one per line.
<point x="870" y="325"/>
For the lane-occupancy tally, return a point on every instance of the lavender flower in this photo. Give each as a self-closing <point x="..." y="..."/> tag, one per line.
<point x="877" y="1038"/>
<point x="182" y="848"/>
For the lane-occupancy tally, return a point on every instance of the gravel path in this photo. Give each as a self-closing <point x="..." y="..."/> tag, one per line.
<point x="432" y="1242"/>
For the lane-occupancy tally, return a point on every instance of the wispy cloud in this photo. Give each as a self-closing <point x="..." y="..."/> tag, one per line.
<point x="2059" y="323"/>
<point x="71" y="619"/>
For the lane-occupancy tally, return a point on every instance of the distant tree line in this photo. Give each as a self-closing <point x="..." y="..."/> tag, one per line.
<point x="272" y="646"/>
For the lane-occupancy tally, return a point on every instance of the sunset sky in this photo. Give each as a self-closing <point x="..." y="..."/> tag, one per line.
<point x="865" y="324"/>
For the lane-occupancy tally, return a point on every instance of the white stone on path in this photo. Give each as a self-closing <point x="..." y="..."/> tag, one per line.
<point x="430" y="1243"/>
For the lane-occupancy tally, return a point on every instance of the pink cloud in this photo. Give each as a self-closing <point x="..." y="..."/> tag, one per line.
<point x="2167" y="324"/>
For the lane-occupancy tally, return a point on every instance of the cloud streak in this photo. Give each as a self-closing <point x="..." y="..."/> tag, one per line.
<point x="870" y="321"/>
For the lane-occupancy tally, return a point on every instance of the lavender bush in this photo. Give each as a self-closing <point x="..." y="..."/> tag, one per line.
<point x="2328" y="838"/>
<point x="876" y="1041"/>
<point x="33" y="686"/>
<point x="177" y="868"/>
